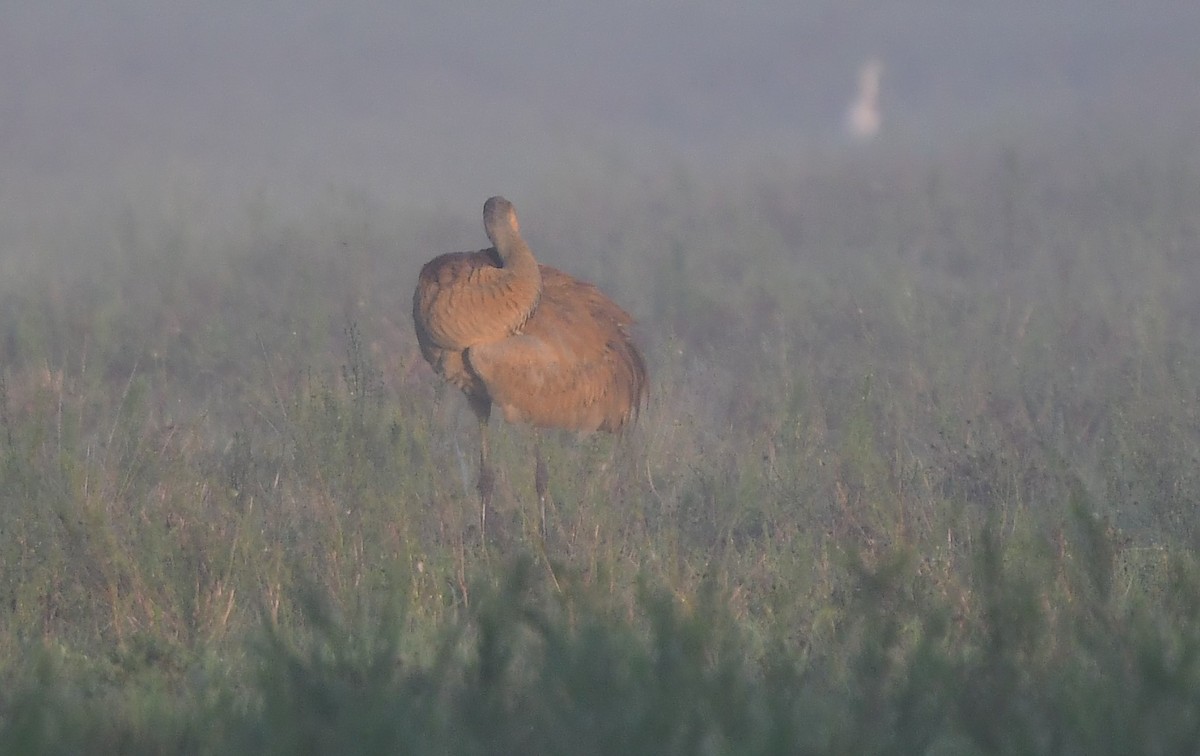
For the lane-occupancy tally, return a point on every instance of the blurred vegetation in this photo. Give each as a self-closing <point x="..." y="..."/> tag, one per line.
<point x="919" y="474"/>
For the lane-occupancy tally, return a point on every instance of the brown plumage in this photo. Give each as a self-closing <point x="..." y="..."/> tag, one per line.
<point x="548" y="349"/>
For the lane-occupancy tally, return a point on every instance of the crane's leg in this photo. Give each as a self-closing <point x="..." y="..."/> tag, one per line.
<point x="487" y="479"/>
<point x="541" y="478"/>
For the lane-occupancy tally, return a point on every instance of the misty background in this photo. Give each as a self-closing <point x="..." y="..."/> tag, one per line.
<point x="437" y="105"/>
<point x="924" y="405"/>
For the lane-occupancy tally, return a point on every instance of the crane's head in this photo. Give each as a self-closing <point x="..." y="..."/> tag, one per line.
<point x="500" y="222"/>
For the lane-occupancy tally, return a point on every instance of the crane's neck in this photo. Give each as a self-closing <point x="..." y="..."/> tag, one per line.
<point x="515" y="254"/>
<point x="503" y="230"/>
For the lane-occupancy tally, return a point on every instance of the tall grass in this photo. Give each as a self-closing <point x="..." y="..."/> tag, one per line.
<point x="918" y="475"/>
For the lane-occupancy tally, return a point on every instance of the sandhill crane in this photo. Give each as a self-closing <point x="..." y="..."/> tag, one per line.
<point x="863" y="119"/>
<point x="548" y="349"/>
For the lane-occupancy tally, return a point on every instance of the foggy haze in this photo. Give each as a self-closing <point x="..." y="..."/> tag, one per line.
<point x="915" y="287"/>
<point x="432" y="104"/>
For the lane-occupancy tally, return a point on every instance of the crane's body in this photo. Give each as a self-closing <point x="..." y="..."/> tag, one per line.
<point x="549" y="350"/>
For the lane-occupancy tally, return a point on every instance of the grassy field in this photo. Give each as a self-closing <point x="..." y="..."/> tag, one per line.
<point x="919" y="473"/>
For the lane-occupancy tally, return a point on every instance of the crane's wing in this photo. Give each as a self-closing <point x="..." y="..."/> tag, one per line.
<point x="466" y="298"/>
